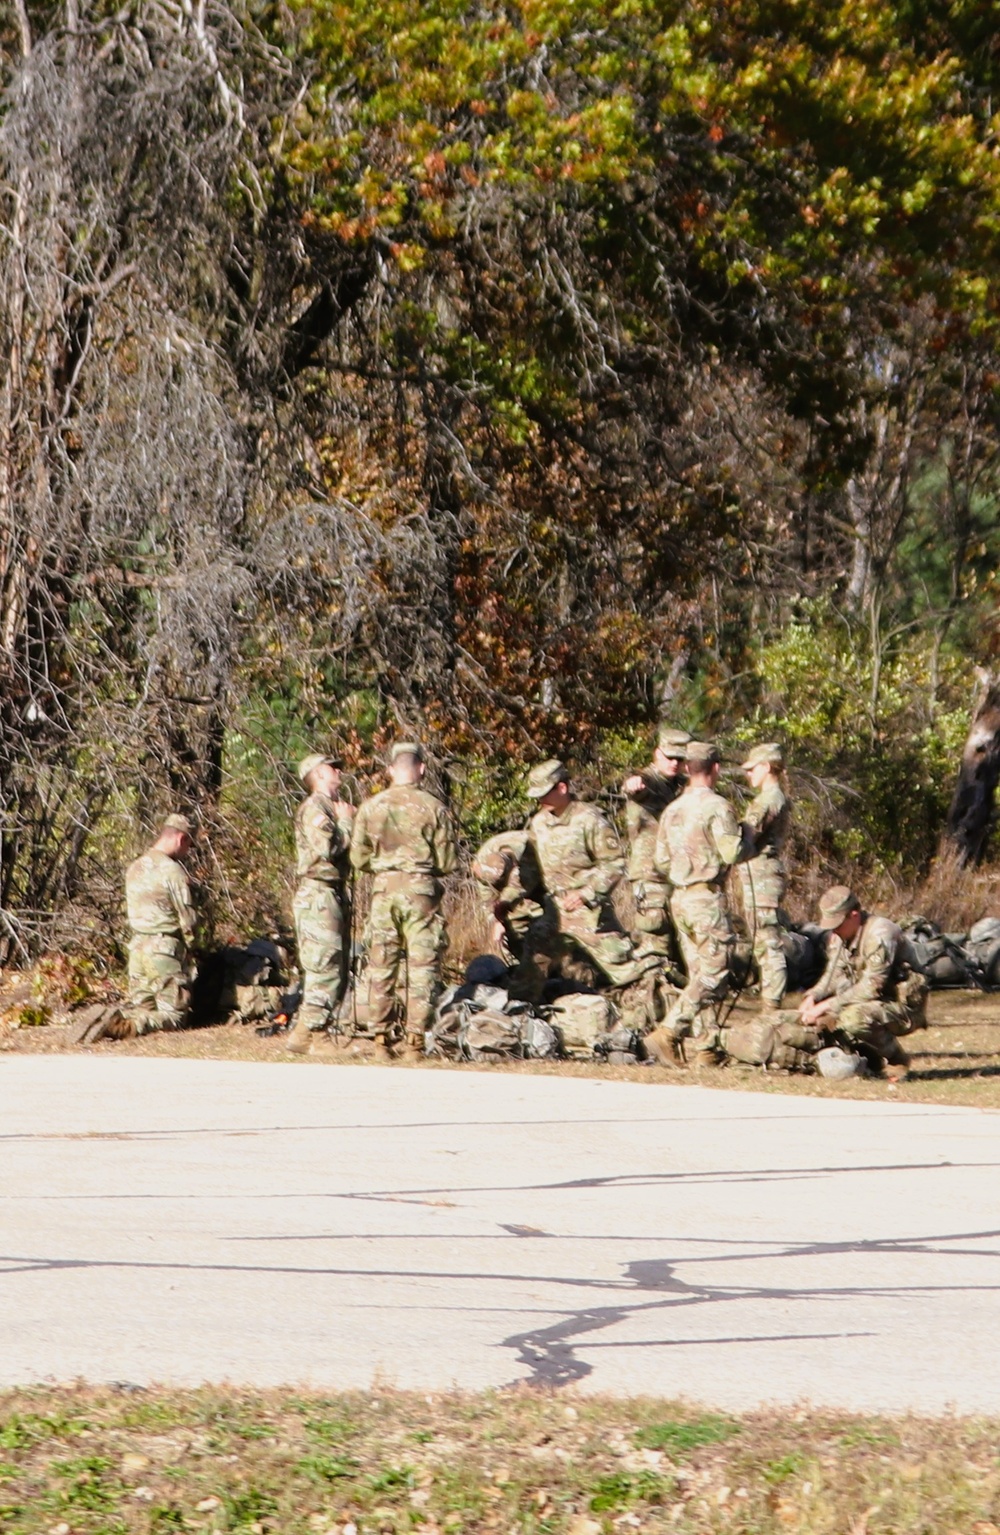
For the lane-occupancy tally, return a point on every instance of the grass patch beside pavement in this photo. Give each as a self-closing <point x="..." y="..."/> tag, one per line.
<point x="112" y="1462"/>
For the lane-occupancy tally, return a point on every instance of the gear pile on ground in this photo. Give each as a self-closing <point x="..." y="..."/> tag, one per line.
<point x="970" y="960"/>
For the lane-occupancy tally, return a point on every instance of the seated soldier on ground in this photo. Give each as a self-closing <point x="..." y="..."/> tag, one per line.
<point x="581" y="862"/>
<point x="509" y="885"/>
<point x="871" y="991"/>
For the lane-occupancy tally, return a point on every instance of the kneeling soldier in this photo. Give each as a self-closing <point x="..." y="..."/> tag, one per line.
<point x="872" y="989"/>
<point x="161" y="916"/>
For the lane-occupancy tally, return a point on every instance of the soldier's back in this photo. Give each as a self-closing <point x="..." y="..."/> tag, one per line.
<point x="403" y="825"/>
<point x="689" y="832"/>
<point x="152" y="883"/>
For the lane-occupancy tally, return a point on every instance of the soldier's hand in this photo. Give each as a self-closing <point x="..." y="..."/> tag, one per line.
<point x="344" y="809"/>
<point x="573" y="901"/>
<point x="633" y="784"/>
<point x="496" y="932"/>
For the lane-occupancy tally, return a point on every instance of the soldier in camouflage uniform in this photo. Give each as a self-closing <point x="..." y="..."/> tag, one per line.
<point x="401" y="837"/>
<point x="509" y="884"/>
<point x="872" y="989"/>
<point x="323" y="826"/>
<point x="162" y="919"/>
<point x="647" y="795"/>
<point x="581" y="862"/>
<point x="697" y="843"/>
<point x="765" y="827"/>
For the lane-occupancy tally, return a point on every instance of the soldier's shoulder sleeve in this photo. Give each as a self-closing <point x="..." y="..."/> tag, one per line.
<point x="179" y="887"/>
<point x="361" y="841"/>
<point x="724" y="829"/>
<point x="445" y="851"/>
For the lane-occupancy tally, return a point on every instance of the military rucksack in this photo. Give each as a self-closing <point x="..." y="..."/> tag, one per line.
<point x="580" y="1018"/>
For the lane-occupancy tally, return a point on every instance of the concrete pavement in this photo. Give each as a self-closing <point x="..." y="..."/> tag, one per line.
<point x="182" y="1221"/>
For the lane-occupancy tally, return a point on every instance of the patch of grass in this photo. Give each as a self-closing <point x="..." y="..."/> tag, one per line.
<point x="327" y="1468"/>
<point x="680" y="1438"/>
<point x="621" y="1490"/>
<point x="511" y="1463"/>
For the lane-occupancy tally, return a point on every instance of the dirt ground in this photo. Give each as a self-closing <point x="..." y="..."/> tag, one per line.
<point x="956" y="1060"/>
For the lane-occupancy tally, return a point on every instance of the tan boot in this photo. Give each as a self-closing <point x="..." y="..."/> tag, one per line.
<point x="663" y="1048"/>
<point x="299" y="1041"/>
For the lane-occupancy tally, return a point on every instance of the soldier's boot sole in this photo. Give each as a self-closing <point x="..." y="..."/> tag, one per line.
<point x="101" y="1022"/>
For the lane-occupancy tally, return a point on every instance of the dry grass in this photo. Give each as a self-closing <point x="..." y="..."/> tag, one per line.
<point x="956" y="1061"/>
<point x="86" y="1462"/>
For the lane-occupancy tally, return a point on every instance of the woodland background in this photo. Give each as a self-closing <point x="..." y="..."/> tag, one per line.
<point x="513" y="376"/>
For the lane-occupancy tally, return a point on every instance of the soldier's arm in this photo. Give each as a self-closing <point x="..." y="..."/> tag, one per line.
<point x="345" y="822"/>
<point x="319" y="831"/>
<point x="608" y="864"/>
<point x="362" y="846"/>
<point x="726" y="835"/>
<point x="661" y="853"/>
<point x="443" y="844"/>
<point x="187" y="917"/>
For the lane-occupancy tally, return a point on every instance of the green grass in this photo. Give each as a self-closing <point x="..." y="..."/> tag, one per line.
<point x="510" y="1463"/>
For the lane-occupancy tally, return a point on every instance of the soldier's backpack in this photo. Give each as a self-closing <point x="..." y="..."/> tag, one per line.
<point x="488" y="1034"/>
<point x="983" y="948"/>
<point x="580" y="1018"/>
<point x="621" y="1046"/>
<point x="839" y="1065"/>
<point x="805" y="954"/>
<point x="941" y="957"/>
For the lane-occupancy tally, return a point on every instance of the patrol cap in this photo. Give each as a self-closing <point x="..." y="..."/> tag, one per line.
<point x="405" y="749"/>
<point x="544" y="776"/>
<point x="179" y="823"/>
<point x="702" y="754"/>
<point x="310" y="764"/>
<point x="770" y="752"/>
<point x="835" y="904"/>
<point x="671" y="742"/>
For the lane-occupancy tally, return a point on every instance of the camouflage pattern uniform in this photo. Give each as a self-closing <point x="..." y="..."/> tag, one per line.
<point x="654" y="930"/>
<point x="401" y="837"/>
<point x="509" y="885"/>
<point x="579" y="852"/>
<point x="765" y="828"/>
<point x="697" y="842"/>
<point x="162" y="918"/>
<point x="319" y="906"/>
<point x="875" y="988"/>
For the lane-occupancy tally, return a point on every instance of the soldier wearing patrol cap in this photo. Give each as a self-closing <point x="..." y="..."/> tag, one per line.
<point x="581" y="862"/>
<point x="402" y="838"/>
<point x="323" y="826"/>
<point x="697" y="843"/>
<point x="872" y="990"/>
<point x="647" y="795"/>
<point x="162" y="919"/>
<point x="765" y="828"/>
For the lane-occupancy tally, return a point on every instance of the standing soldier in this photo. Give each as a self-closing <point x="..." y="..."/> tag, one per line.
<point x="581" y="862"/>
<point x="323" y="826"/>
<point x="765" y="829"/>
<point x="648" y="793"/>
<point x="402" y="838"/>
<point x="162" y="918"/>
<point x="697" y="843"/>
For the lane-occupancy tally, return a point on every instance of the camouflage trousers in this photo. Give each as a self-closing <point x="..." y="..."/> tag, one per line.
<point x="596" y="933"/>
<point x="654" y="931"/>
<point x="878" y="1026"/>
<point x="763" y="893"/>
<point x="528" y="943"/>
<point x="319" y="934"/>
<point x="701" y="916"/>
<point x="159" y="982"/>
<point x="406" y="940"/>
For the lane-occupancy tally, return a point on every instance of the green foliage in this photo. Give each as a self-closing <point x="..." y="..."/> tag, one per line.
<point x="327" y="1468"/>
<point x="248" y="1506"/>
<point x="784" y="1468"/>
<point x="681" y="1437"/>
<point x="623" y="1489"/>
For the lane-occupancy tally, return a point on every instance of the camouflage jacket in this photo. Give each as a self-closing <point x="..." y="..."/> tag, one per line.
<point x="577" y="850"/>
<point x="698" y="838"/>
<point x="158" y="897"/>
<point x="404" y="830"/>
<point x="506" y="871"/>
<point x="869" y="968"/>
<point x="643" y="810"/>
<point x="764" y="829"/>
<point x="322" y="841"/>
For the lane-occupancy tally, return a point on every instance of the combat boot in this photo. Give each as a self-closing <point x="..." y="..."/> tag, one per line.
<point x="299" y="1041"/>
<point x="662" y="1048"/>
